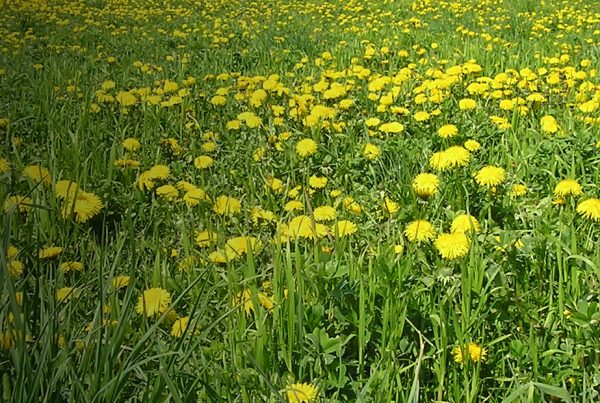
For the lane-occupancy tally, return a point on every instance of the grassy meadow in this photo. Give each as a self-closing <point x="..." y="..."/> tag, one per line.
<point x="299" y="201"/>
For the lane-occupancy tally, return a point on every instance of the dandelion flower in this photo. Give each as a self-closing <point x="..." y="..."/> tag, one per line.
<point x="65" y="189"/>
<point x="471" y="351"/>
<point x="567" y="187"/>
<point x="50" y="252"/>
<point x="472" y="145"/>
<point x="4" y="165"/>
<point x="301" y="392"/>
<point x="398" y="249"/>
<point x="180" y="326"/>
<point x="66" y="267"/>
<point x="293" y="205"/>
<point x="426" y="184"/>
<point x="159" y="172"/>
<point x="240" y="245"/>
<point x="589" y="209"/>
<point x="302" y="227"/>
<point x="343" y="228"/>
<point x="131" y="144"/>
<point x="490" y="176"/>
<point x="206" y="238"/>
<point x="38" y="174"/>
<point x="84" y="206"/>
<point x="22" y="204"/>
<point x="203" y="162"/>
<point x="467" y="104"/>
<point x="389" y="206"/>
<point x="317" y="182"/>
<point x="518" y="190"/>
<point x="447" y="131"/>
<point x="194" y="196"/>
<point x="371" y="152"/>
<point x="324" y="213"/>
<point x="549" y="124"/>
<point x="465" y="223"/>
<point x="66" y="293"/>
<point x="119" y="282"/>
<point x="306" y="147"/>
<point x="225" y="205"/>
<point x="167" y="192"/>
<point x="419" y="230"/>
<point x="452" y="246"/>
<point x="153" y="302"/>
<point x="392" y="127"/>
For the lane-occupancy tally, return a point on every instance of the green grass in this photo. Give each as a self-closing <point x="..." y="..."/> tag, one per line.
<point x="345" y="313"/>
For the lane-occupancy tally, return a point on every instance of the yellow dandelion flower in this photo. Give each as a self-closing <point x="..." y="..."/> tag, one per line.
<point x="167" y="192"/>
<point x="131" y="144"/>
<point x="38" y="174"/>
<point x="324" y="213"/>
<point x="50" y="252"/>
<point x="302" y="227"/>
<point x="518" y="190"/>
<point x="452" y="246"/>
<point x="65" y="189"/>
<point x="490" y="176"/>
<point x="4" y="165"/>
<point x="467" y="104"/>
<point x="465" y="223"/>
<point x="371" y="152"/>
<point x="153" y="302"/>
<point x="471" y="351"/>
<point x="203" y="161"/>
<point x="159" y="172"/>
<point x="447" y="131"/>
<point x="84" y="206"/>
<point x="426" y="184"/>
<point x="194" y="196"/>
<point x="472" y="145"/>
<point x="343" y="228"/>
<point x="391" y="127"/>
<point x="306" y="147"/>
<point x="293" y="205"/>
<point x="419" y="230"/>
<point x="180" y="326"/>
<point x="549" y="124"/>
<point x="301" y="392"/>
<point x="22" y="204"/>
<point x="225" y="205"/>
<point x="317" y="182"/>
<point x="66" y="293"/>
<point x="568" y="187"/>
<point x="389" y="206"/>
<point x="66" y="267"/>
<point x="589" y="209"/>
<point x="121" y="281"/>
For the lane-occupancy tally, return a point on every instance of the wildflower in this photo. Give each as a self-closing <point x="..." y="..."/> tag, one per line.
<point x="317" y="182"/>
<point x="240" y="245"/>
<point x="389" y="206"/>
<point x="301" y="392"/>
<point x="567" y="187"/>
<point x="65" y="189"/>
<point x="419" y="230"/>
<point x="131" y="144"/>
<point x="549" y="124"/>
<point x="343" y="228"/>
<point x="306" y="147"/>
<point x="153" y="302"/>
<point x="225" y="205"/>
<point x="472" y="145"/>
<point x="84" y="206"/>
<point x="518" y="190"/>
<point x="465" y="223"/>
<point x="471" y="351"/>
<point x="466" y="104"/>
<point x="421" y="116"/>
<point x="38" y="174"/>
<point x="203" y="161"/>
<point x="371" y="151"/>
<point x="22" y="204"/>
<point x="50" y="252"/>
<point x="206" y="238"/>
<point x="194" y="196"/>
<point x="302" y="227"/>
<point x="66" y="293"/>
<point x="293" y="205"/>
<point x="324" y="213"/>
<point x="452" y="246"/>
<point x="589" y="209"/>
<point x="180" y="326"/>
<point x="398" y="249"/>
<point x="159" y="172"/>
<point x="119" y="282"/>
<point x="167" y="192"/>
<point x="447" y="131"/>
<point x="4" y="165"/>
<point x="244" y="299"/>
<point x="351" y="205"/>
<point x="392" y="127"/>
<point x="490" y="176"/>
<point x="66" y="267"/>
<point x="426" y="184"/>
